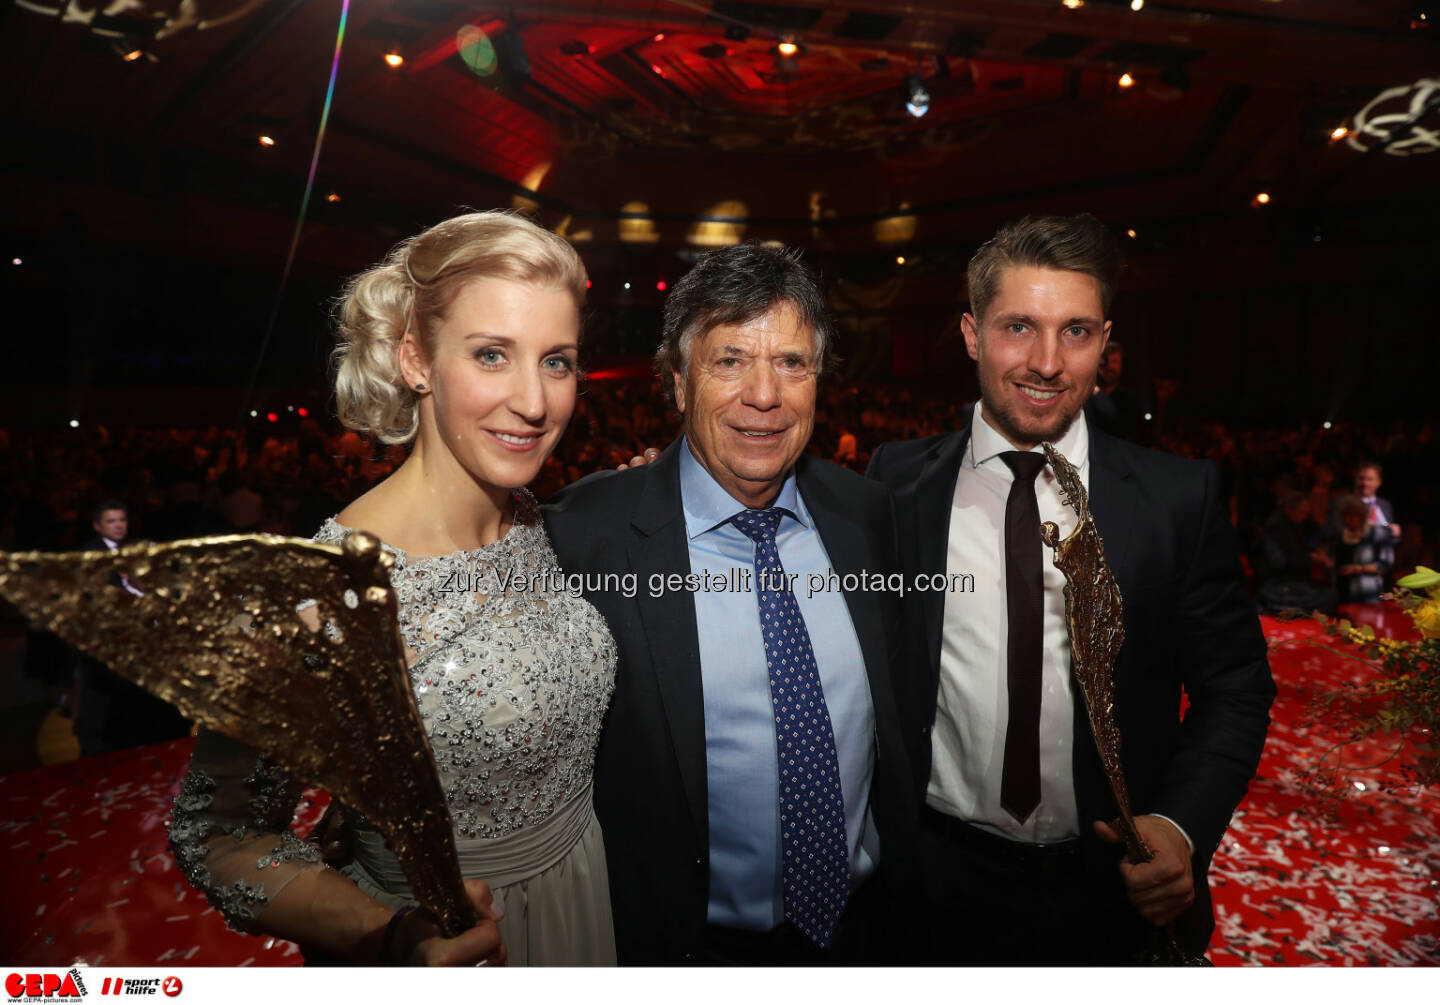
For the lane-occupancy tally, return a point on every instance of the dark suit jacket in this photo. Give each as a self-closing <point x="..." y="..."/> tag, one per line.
<point x="114" y="713"/>
<point x="1188" y="623"/>
<point x="650" y="772"/>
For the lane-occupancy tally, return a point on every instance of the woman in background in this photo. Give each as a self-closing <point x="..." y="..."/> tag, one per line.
<point x="1364" y="554"/>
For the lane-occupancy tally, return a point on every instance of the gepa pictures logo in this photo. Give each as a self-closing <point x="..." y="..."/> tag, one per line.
<point x="44" y="987"/>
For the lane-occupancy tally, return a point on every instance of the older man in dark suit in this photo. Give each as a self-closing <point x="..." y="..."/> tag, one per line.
<point x="1019" y="860"/>
<point x="751" y="776"/>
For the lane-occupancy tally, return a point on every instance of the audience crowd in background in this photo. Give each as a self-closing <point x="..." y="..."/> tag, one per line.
<point x="1324" y="515"/>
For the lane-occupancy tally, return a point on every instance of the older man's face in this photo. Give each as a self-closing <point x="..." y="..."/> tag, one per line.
<point x="748" y="401"/>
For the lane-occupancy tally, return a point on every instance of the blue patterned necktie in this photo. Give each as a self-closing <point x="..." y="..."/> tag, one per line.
<point x="812" y="806"/>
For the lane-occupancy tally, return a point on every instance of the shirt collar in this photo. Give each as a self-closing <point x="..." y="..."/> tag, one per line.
<point x="708" y="506"/>
<point x="987" y="444"/>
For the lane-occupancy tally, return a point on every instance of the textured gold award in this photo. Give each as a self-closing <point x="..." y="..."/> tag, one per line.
<point x="215" y="632"/>
<point x="1095" y="619"/>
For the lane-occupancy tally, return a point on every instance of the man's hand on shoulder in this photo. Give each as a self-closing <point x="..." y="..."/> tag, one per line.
<point x="641" y="459"/>
<point x="1162" y="888"/>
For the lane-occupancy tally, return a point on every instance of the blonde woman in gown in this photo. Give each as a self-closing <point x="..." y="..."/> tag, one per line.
<point x="464" y="342"/>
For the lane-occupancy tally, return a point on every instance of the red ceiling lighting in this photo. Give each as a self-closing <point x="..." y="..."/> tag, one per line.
<point x="662" y="286"/>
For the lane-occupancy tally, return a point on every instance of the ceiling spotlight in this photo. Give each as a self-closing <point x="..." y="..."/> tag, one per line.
<point x="899" y="259"/>
<point x="627" y="286"/>
<point x="1137" y="5"/>
<point x="1126" y="80"/>
<point x="74" y="423"/>
<point x="17" y="261"/>
<point x="917" y="99"/>
<point x="253" y="413"/>
<point x="333" y="197"/>
<point x="788" y="46"/>
<point x="1130" y="232"/>
<point x="659" y="36"/>
<point x="394" y="60"/>
<point x="1073" y="4"/>
<point x="1261" y="199"/>
<point x="1339" y="133"/>
<point x="132" y="55"/>
<point x="1148" y="416"/>
<point x="267" y="141"/>
<point x="1328" y="425"/>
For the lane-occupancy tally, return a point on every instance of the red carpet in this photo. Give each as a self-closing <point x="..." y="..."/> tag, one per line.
<point x="1293" y="887"/>
<point x="91" y="878"/>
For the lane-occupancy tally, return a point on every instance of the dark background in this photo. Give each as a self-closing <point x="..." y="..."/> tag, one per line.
<point x="153" y="228"/>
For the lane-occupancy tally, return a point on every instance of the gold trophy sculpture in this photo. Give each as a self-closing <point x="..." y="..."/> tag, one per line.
<point x="215" y="631"/>
<point x="1094" y="617"/>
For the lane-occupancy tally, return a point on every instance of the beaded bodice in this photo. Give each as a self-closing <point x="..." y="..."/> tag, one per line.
<point x="512" y="676"/>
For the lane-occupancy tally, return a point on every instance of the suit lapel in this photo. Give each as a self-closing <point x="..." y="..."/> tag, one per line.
<point x="1114" y="499"/>
<point x="658" y="545"/>
<point x="934" y="502"/>
<point x="848" y="546"/>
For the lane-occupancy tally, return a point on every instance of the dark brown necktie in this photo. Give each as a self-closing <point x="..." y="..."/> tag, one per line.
<point x="1025" y="603"/>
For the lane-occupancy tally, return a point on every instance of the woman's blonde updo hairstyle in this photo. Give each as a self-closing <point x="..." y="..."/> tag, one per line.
<point x="413" y="289"/>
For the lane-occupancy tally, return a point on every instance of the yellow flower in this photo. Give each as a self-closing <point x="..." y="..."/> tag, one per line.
<point x="1422" y="579"/>
<point x="1427" y="618"/>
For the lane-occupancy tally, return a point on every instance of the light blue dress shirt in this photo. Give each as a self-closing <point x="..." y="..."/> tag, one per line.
<point x="740" y="752"/>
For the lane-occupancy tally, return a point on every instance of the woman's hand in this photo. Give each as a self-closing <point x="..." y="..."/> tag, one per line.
<point x="420" y="941"/>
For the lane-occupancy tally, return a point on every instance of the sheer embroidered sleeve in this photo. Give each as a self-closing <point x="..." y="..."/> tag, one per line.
<point x="230" y="831"/>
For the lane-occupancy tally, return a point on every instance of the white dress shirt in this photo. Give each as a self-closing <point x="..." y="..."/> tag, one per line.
<point x="968" y="740"/>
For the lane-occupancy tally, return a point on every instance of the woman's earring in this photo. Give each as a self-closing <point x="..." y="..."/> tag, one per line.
<point x="421" y="387"/>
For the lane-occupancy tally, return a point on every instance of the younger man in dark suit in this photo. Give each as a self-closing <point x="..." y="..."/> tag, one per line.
<point x="1019" y="863"/>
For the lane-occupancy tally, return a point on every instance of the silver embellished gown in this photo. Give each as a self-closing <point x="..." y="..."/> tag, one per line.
<point x="512" y="679"/>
